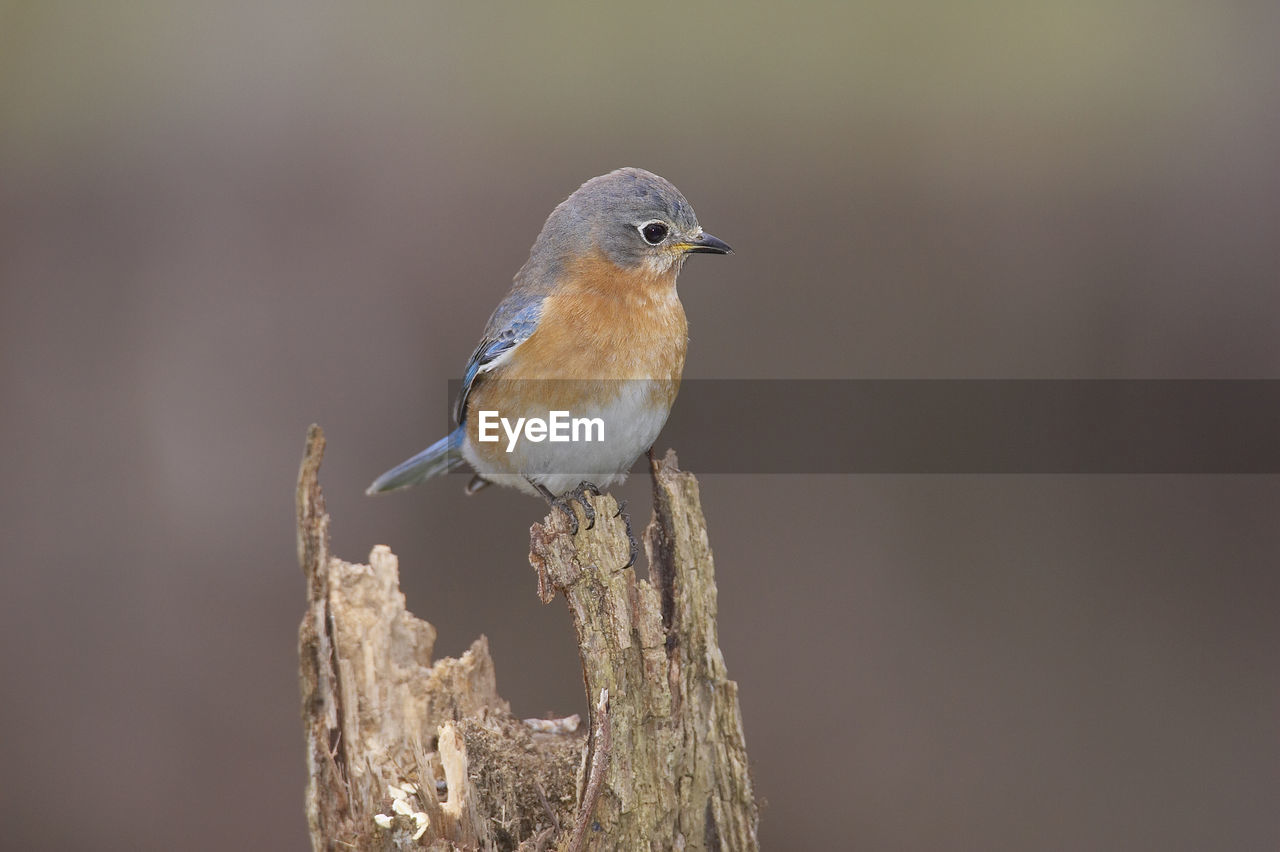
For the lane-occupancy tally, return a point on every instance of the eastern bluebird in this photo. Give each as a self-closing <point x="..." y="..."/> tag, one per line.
<point x="592" y="327"/>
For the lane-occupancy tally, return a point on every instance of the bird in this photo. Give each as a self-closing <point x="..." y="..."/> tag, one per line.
<point x="593" y="329"/>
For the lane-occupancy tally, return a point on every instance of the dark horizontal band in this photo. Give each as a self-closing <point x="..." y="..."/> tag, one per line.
<point x="970" y="426"/>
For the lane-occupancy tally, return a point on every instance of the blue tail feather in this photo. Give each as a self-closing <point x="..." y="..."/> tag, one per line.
<point x="441" y="457"/>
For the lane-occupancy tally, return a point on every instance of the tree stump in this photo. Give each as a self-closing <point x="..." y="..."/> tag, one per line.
<point x="407" y="753"/>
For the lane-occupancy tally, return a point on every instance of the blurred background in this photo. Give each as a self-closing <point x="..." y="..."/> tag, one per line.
<point x="222" y="222"/>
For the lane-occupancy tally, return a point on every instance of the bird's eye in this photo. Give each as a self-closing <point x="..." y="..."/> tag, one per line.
<point x="654" y="232"/>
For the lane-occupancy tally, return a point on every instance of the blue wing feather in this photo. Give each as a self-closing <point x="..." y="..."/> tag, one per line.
<point x="511" y="324"/>
<point x="507" y="329"/>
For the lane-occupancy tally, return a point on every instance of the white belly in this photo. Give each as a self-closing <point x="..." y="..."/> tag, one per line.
<point x="630" y="424"/>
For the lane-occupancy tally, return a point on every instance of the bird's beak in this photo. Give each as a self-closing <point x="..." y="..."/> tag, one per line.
<point x="704" y="243"/>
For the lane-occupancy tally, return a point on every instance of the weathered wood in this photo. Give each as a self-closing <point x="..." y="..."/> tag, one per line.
<point x="678" y="778"/>
<point x="404" y="753"/>
<point x="407" y="753"/>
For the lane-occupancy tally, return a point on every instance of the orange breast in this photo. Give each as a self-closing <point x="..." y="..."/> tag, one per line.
<point x="602" y="327"/>
<point x="606" y="323"/>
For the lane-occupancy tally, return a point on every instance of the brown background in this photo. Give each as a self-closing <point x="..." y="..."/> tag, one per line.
<point x="219" y="224"/>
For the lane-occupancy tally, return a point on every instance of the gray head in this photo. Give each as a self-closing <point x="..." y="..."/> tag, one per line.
<point x="636" y="218"/>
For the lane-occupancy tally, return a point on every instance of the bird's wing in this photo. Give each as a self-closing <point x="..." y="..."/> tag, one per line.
<point x="509" y="326"/>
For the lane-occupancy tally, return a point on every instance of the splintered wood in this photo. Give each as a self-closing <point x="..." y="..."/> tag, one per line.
<point x="404" y="752"/>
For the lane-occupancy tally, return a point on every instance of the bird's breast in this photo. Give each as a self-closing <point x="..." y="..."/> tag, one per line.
<point x="603" y="322"/>
<point x="610" y="345"/>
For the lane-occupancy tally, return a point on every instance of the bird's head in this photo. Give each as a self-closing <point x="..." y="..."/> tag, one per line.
<point x="637" y="219"/>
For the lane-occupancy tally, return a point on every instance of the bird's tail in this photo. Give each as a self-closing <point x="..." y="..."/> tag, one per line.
<point x="441" y="457"/>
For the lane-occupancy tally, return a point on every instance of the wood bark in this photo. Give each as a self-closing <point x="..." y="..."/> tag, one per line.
<point x="404" y="752"/>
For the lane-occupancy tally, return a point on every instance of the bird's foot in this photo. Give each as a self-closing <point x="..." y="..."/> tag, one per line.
<point x="577" y="495"/>
<point x="580" y="495"/>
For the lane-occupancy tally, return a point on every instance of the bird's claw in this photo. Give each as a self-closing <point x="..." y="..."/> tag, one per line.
<point x="565" y="504"/>
<point x="579" y="495"/>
